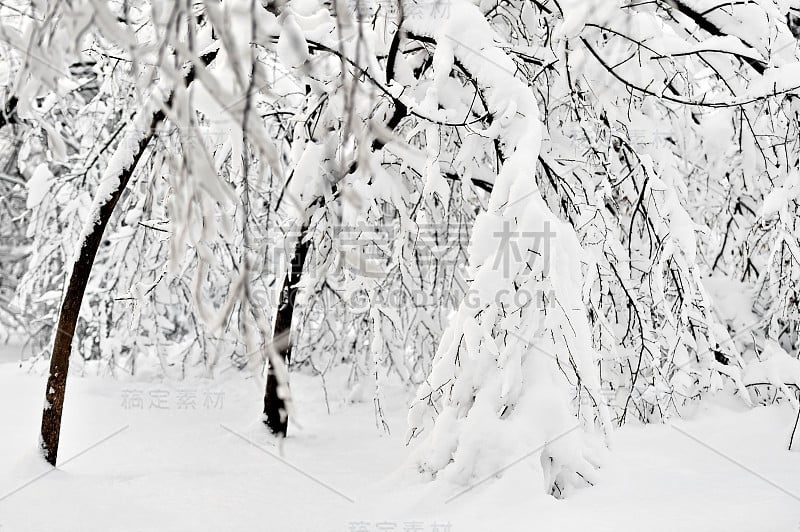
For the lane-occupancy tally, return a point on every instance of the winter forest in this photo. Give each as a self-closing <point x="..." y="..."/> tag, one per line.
<point x="407" y="265"/>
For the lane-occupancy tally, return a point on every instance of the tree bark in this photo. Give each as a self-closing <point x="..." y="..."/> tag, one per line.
<point x="68" y="316"/>
<point x="9" y="114"/>
<point x="276" y="416"/>
<point x="81" y="270"/>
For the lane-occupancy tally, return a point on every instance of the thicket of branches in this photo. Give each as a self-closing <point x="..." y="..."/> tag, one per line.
<point x="529" y="210"/>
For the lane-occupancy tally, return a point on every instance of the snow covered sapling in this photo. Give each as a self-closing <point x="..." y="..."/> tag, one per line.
<point x="504" y="375"/>
<point x="115" y="179"/>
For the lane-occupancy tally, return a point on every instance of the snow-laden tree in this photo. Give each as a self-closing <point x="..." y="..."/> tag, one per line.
<point x="636" y="99"/>
<point x="533" y="212"/>
<point x="14" y="241"/>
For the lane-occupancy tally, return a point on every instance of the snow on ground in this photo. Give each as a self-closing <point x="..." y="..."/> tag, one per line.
<point x="191" y="456"/>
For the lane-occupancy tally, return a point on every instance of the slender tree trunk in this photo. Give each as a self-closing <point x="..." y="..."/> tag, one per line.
<point x="81" y="269"/>
<point x="276" y="416"/>
<point x="9" y="114"/>
<point x="68" y="317"/>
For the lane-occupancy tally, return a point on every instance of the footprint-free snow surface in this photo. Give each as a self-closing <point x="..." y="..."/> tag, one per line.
<point x="192" y="456"/>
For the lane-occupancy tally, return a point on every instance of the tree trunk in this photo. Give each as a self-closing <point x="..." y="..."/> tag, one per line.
<point x="81" y="269"/>
<point x="68" y="317"/>
<point x="9" y="114"/>
<point x="276" y="416"/>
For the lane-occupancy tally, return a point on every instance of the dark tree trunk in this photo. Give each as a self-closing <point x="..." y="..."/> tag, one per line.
<point x="9" y="114"/>
<point x="81" y="269"/>
<point x="68" y="317"/>
<point x="276" y="417"/>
